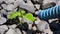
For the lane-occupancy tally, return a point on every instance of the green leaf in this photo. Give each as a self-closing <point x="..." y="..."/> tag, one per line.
<point x="13" y="15"/>
<point x="22" y="12"/>
<point x="29" y="16"/>
<point x="18" y="13"/>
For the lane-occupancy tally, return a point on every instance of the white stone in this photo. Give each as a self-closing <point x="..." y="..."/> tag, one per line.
<point x="51" y="20"/>
<point x="30" y="26"/>
<point x="3" y="12"/>
<point x="18" y="31"/>
<point x="30" y="8"/>
<point x="9" y="1"/>
<point x="1" y="1"/>
<point x="3" y="5"/>
<point x="9" y="7"/>
<point x="11" y="31"/>
<point x="58" y="2"/>
<point x="48" y="31"/>
<point x="48" y="1"/>
<point x="37" y="12"/>
<point x="37" y="6"/>
<point x="3" y="28"/>
<point x="42" y="25"/>
<point x="16" y="3"/>
<point x="29" y="2"/>
<point x="0" y="15"/>
<point x="24" y="32"/>
<point x="24" y="5"/>
<point x="14" y="10"/>
<point x="12" y="26"/>
<point x="37" y="21"/>
<point x="2" y="20"/>
<point x="20" y="1"/>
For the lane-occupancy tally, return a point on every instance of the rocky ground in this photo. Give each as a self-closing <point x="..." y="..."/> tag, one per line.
<point x="8" y="6"/>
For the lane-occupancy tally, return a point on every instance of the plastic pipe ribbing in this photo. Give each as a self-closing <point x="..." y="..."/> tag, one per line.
<point x="50" y="13"/>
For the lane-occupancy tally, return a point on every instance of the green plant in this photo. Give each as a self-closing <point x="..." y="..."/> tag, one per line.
<point x="29" y="16"/>
<point x="22" y="14"/>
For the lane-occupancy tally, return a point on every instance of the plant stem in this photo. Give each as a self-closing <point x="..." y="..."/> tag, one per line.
<point x="21" y="19"/>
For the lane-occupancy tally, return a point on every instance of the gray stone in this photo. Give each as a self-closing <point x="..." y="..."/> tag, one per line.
<point x="37" y="21"/>
<point x="9" y="7"/>
<point x="51" y="20"/>
<point x="3" y="12"/>
<point x="3" y="5"/>
<point x="9" y="1"/>
<point x="29" y="2"/>
<point x="42" y="25"/>
<point x="20" y="1"/>
<point x="18" y="31"/>
<point x="12" y="26"/>
<point x="1" y="1"/>
<point x="39" y="1"/>
<point x="14" y="10"/>
<point x="58" y="2"/>
<point x="37" y="6"/>
<point x="30" y="26"/>
<point x="48" y="5"/>
<point x="48" y="1"/>
<point x="2" y="20"/>
<point x="28" y="7"/>
<point x="3" y="28"/>
<point x="0" y="15"/>
<point x="48" y="31"/>
<point x="24" y="32"/>
<point x="16" y="3"/>
<point x="11" y="31"/>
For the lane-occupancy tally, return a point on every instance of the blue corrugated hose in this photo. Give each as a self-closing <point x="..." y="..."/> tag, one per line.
<point x="50" y="13"/>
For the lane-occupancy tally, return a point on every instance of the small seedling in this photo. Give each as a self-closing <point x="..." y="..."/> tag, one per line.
<point x="22" y="14"/>
<point x="23" y="25"/>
